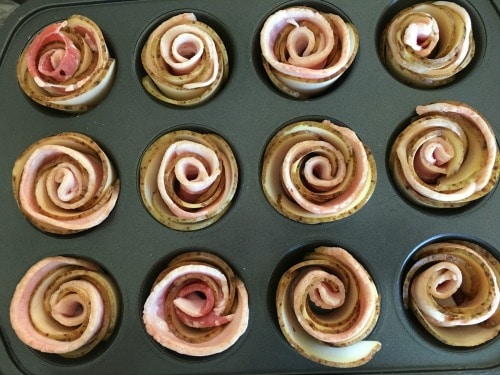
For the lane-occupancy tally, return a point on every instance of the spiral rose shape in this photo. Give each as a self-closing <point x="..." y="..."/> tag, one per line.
<point x="317" y="172"/>
<point x="185" y="60"/>
<point x="67" y="66"/>
<point x="197" y="306"/>
<point x="188" y="179"/>
<point x="305" y="51"/>
<point x="65" y="306"/>
<point x="65" y="183"/>
<point x="327" y="305"/>
<point x="447" y="157"/>
<point x="453" y="289"/>
<point x="427" y="44"/>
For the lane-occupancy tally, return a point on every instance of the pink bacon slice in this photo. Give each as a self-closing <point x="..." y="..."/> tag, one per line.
<point x="188" y="179"/>
<point x="57" y="63"/>
<point x="305" y="51"/>
<point x="197" y="306"/>
<point x="65" y="183"/>
<point x="327" y="305"/>
<point x="326" y="172"/>
<point x="67" y="66"/>
<point x="185" y="60"/>
<point x="65" y="306"/>
<point x="447" y="157"/>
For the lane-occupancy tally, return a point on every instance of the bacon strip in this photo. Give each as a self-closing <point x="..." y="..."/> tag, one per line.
<point x="453" y="289"/>
<point x="197" y="306"/>
<point x="65" y="306"/>
<point x="65" y="183"/>
<point x="305" y="51"/>
<point x="188" y="179"/>
<point x="58" y="63"/>
<point x="330" y="280"/>
<point x="427" y="44"/>
<point x="185" y="60"/>
<point x="67" y="66"/>
<point x="447" y="157"/>
<point x="326" y="172"/>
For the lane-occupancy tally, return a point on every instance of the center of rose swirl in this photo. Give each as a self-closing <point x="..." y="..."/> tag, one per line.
<point x="431" y="159"/>
<point x="70" y="310"/>
<point x="64" y="183"/>
<point x="194" y="176"/>
<point x="300" y="41"/>
<point x="422" y="36"/>
<point x="181" y="53"/>
<point x="195" y="299"/>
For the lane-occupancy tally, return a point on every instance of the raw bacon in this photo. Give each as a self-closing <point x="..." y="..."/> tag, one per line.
<point x="197" y="306"/>
<point x="305" y="51"/>
<point x="67" y="66"/>
<point x="188" y="179"/>
<point x="447" y="157"/>
<point x="327" y="305"/>
<point x="452" y="287"/>
<point x="185" y="60"/>
<point x="65" y="183"/>
<point x="428" y="44"/>
<point x="317" y="171"/>
<point x="65" y="306"/>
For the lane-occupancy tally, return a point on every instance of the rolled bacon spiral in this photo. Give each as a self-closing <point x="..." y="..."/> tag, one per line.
<point x="67" y="66"/>
<point x="65" y="183"/>
<point x="305" y="51"/>
<point x="327" y="305"/>
<point x="185" y="60"/>
<point x="197" y="306"/>
<point x="453" y="289"/>
<point x="188" y="179"/>
<point x="427" y="44"/>
<point x="447" y="157"/>
<point x="317" y="172"/>
<point x="65" y="306"/>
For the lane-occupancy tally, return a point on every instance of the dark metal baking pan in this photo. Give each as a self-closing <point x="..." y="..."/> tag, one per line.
<point x="254" y="238"/>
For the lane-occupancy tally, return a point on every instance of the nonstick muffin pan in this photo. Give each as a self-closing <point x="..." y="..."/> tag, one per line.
<point x="258" y="242"/>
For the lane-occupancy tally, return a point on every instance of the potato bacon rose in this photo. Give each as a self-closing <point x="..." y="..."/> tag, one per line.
<point x="65" y="183"/>
<point x="305" y="51"/>
<point x="197" y="305"/>
<point x="427" y="44"/>
<point x="188" y="179"/>
<point x="327" y="305"/>
<point x="65" y="306"/>
<point x="317" y="172"/>
<point x="185" y="60"/>
<point x="67" y="66"/>
<point x="447" y="157"/>
<point x="453" y="289"/>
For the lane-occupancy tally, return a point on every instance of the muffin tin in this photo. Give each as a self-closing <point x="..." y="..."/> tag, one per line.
<point x="257" y="241"/>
